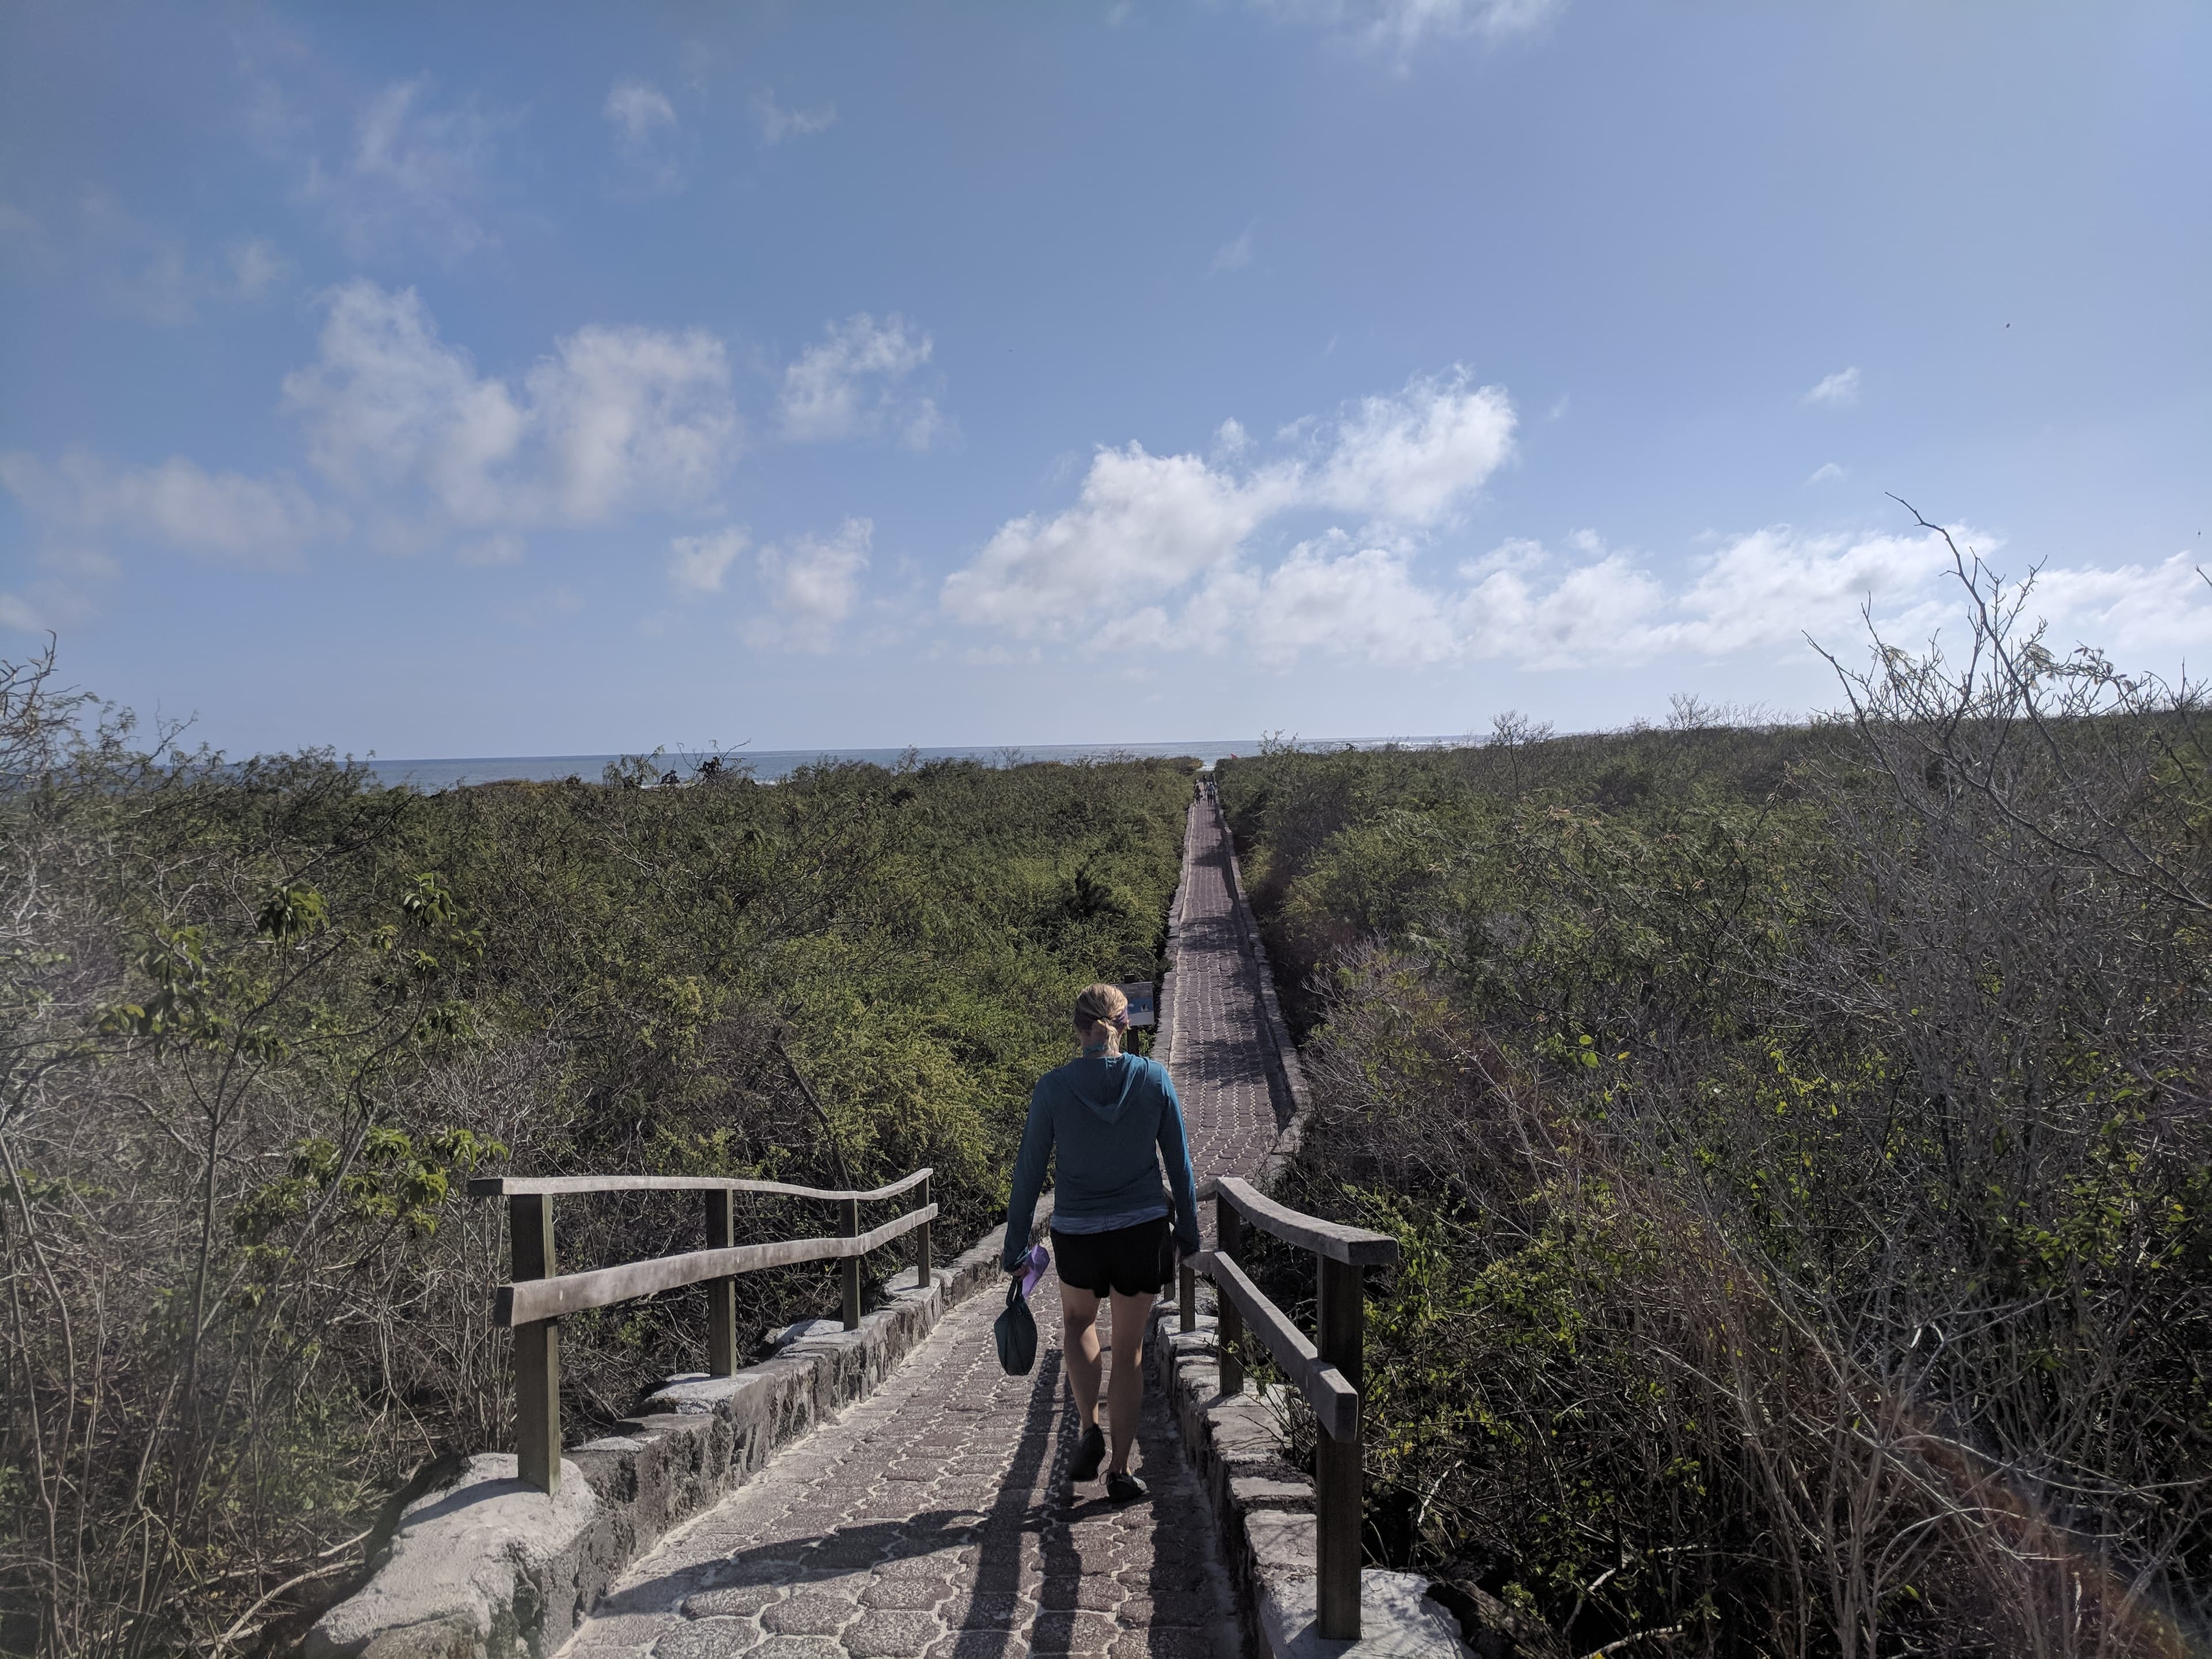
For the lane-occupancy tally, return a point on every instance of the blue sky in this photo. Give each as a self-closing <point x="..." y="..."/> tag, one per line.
<point x="517" y="380"/>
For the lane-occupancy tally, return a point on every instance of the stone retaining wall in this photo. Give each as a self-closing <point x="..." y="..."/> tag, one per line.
<point x="1286" y="1075"/>
<point x="1263" y="1506"/>
<point x="488" y="1568"/>
<point x="1164" y="1019"/>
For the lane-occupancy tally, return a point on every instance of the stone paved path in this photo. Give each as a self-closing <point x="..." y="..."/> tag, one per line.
<point x="935" y="1518"/>
<point x="1219" y="1069"/>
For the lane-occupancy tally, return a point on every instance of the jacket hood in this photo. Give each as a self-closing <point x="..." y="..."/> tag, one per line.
<point x="1103" y="1085"/>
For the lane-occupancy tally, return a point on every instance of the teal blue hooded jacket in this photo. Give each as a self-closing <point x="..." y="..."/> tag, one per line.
<point x="1107" y="1123"/>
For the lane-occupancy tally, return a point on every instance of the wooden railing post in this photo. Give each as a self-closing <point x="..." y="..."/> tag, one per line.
<point x="1228" y="1322"/>
<point x="1187" y="1297"/>
<point x="1341" y="1339"/>
<point x="721" y="1293"/>
<point x="537" y="1348"/>
<point x="852" y="1266"/>
<point x="924" y="1270"/>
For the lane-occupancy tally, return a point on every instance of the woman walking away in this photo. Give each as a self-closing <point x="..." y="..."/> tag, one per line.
<point x="1107" y="1120"/>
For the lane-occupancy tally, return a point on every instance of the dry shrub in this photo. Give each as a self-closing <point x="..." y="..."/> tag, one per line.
<point x="1805" y="1193"/>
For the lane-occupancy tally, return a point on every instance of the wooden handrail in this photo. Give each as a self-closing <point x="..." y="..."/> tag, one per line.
<point x="1328" y="1372"/>
<point x="1335" y="1402"/>
<point x="534" y="1299"/>
<point x="1355" y="1245"/>
<point x="551" y="1186"/>
<point x="537" y="1294"/>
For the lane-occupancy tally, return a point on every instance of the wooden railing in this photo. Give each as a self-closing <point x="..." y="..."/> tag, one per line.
<point x="533" y="1303"/>
<point x="1328" y="1372"/>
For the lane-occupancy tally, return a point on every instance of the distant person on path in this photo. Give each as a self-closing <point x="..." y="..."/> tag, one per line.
<point x="1108" y="1120"/>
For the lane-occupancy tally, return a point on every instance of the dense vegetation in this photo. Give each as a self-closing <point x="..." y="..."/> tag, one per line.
<point x="261" y="1020"/>
<point x="1799" y="1143"/>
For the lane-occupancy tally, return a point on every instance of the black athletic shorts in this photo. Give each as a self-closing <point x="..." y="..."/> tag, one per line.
<point x="1135" y="1260"/>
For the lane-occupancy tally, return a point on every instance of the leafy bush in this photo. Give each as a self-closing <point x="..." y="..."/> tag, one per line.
<point x="1800" y="1157"/>
<point x="262" y="1019"/>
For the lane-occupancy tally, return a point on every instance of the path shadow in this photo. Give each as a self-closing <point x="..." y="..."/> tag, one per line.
<point x="793" y="1564"/>
<point x="1173" y="1574"/>
<point x="998" y="1569"/>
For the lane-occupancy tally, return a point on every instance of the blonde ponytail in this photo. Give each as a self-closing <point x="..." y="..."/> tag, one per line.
<point x="1101" y="1015"/>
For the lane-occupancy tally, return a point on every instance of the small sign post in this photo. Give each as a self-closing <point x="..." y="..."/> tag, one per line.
<point x="1140" y="1003"/>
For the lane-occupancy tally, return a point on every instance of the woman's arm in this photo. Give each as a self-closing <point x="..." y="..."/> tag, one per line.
<point x="1175" y="1152"/>
<point x="1029" y="1180"/>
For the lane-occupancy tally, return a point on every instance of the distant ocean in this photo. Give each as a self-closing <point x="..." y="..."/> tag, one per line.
<point x="769" y="764"/>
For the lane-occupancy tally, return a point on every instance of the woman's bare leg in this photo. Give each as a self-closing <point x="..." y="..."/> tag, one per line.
<point x="1125" y="1401"/>
<point x="1078" y="1330"/>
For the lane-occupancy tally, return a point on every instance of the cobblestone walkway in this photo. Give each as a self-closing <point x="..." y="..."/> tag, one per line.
<point x="936" y="1518"/>
<point x="1218" y="1062"/>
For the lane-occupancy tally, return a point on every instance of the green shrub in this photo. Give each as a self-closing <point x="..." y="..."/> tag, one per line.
<point x="264" y="1019"/>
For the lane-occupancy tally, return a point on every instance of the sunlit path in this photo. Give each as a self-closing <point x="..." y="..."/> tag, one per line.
<point x="936" y="1518"/>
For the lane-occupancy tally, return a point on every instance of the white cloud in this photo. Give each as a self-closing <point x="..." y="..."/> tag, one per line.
<point x="923" y="424"/>
<point x="1514" y="553"/>
<point x="220" y="516"/>
<point x="1143" y="525"/>
<point x="2157" y="612"/>
<point x="1159" y="552"/>
<point x="1234" y="256"/>
<point x="614" y="416"/>
<point x="698" y="563"/>
<point x="1839" y="389"/>
<point x="1149" y="525"/>
<point x="415" y="174"/>
<point x="846" y="386"/>
<point x="137" y="267"/>
<point x="778" y="124"/>
<point x="1768" y="589"/>
<point x="629" y="411"/>
<point x="255" y="267"/>
<point x="812" y="584"/>
<point x="1826" y="474"/>
<point x="386" y="403"/>
<point x="1594" y="613"/>
<point x="68" y="593"/>
<point x="1365" y="604"/>
<point x="1763" y="592"/>
<point x="1413" y="457"/>
<point x="643" y="119"/>
<point x="1399" y="25"/>
<point x="430" y="452"/>
<point x="1760" y="592"/>
<point x="638" y="111"/>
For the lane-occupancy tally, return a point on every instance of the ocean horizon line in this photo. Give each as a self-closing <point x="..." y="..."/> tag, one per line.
<point x="436" y="772"/>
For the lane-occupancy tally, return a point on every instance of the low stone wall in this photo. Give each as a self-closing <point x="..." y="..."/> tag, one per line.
<point x="488" y="1568"/>
<point x="1163" y="1026"/>
<point x="1264" y="1507"/>
<point x="1286" y="1075"/>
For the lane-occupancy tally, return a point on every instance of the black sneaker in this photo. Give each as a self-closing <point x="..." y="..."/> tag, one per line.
<point x="1123" y="1487"/>
<point x="1088" y="1455"/>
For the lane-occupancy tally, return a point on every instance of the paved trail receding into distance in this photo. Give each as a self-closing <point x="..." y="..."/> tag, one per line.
<point x="935" y="1518"/>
